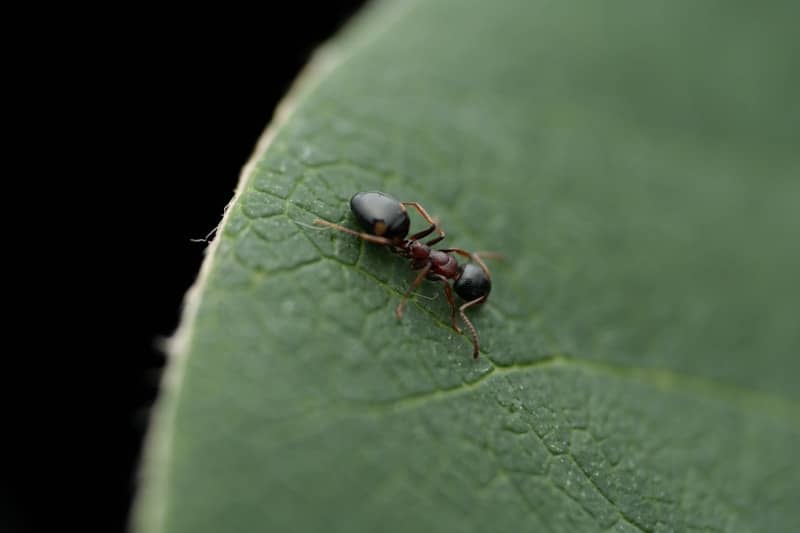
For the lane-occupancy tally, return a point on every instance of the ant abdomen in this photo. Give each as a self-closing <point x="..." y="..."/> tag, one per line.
<point x="380" y="214"/>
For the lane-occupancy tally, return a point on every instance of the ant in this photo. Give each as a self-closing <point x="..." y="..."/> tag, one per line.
<point x="386" y="222"/>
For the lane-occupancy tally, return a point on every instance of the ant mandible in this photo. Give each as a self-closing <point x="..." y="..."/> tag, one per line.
<point x="386" y="222"/>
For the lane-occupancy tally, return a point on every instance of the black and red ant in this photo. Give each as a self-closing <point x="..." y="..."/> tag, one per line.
<point x="386" y="222"/>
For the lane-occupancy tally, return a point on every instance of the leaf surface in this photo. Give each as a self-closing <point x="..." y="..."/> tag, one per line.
<point x="636" y="162"/>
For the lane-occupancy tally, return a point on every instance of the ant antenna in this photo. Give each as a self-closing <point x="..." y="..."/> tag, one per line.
<point x="309" y="226"/>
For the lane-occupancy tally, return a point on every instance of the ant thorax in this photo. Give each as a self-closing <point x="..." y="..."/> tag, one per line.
<point x="419" y="250"/>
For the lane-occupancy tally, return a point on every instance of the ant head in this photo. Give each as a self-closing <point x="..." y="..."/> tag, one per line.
<point x="419" y="250"/>
<point x="472" y="283"/>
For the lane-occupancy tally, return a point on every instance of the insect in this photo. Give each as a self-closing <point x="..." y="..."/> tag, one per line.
<point x="385" y="221"/>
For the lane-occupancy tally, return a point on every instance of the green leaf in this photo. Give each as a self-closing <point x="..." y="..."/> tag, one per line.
<point x="636" y="161"/>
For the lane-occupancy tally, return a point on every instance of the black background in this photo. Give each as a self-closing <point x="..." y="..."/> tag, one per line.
<point x="177" y="102"/>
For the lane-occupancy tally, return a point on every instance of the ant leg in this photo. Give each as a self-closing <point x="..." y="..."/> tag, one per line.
<point x="434" y="241"/>
<point x="449" y="293"/>
<point x="473" y="331"/>
<point x="491" y="255"/>
<point x="414" y="285"/>
<point x="364" y="236"/>
<point x="422" y="234"/>
<point x="434" y="225"/>
<point x="475" y="257"/>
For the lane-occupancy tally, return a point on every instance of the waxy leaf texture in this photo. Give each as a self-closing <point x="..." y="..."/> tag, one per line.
<point x="636" y="162"/>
